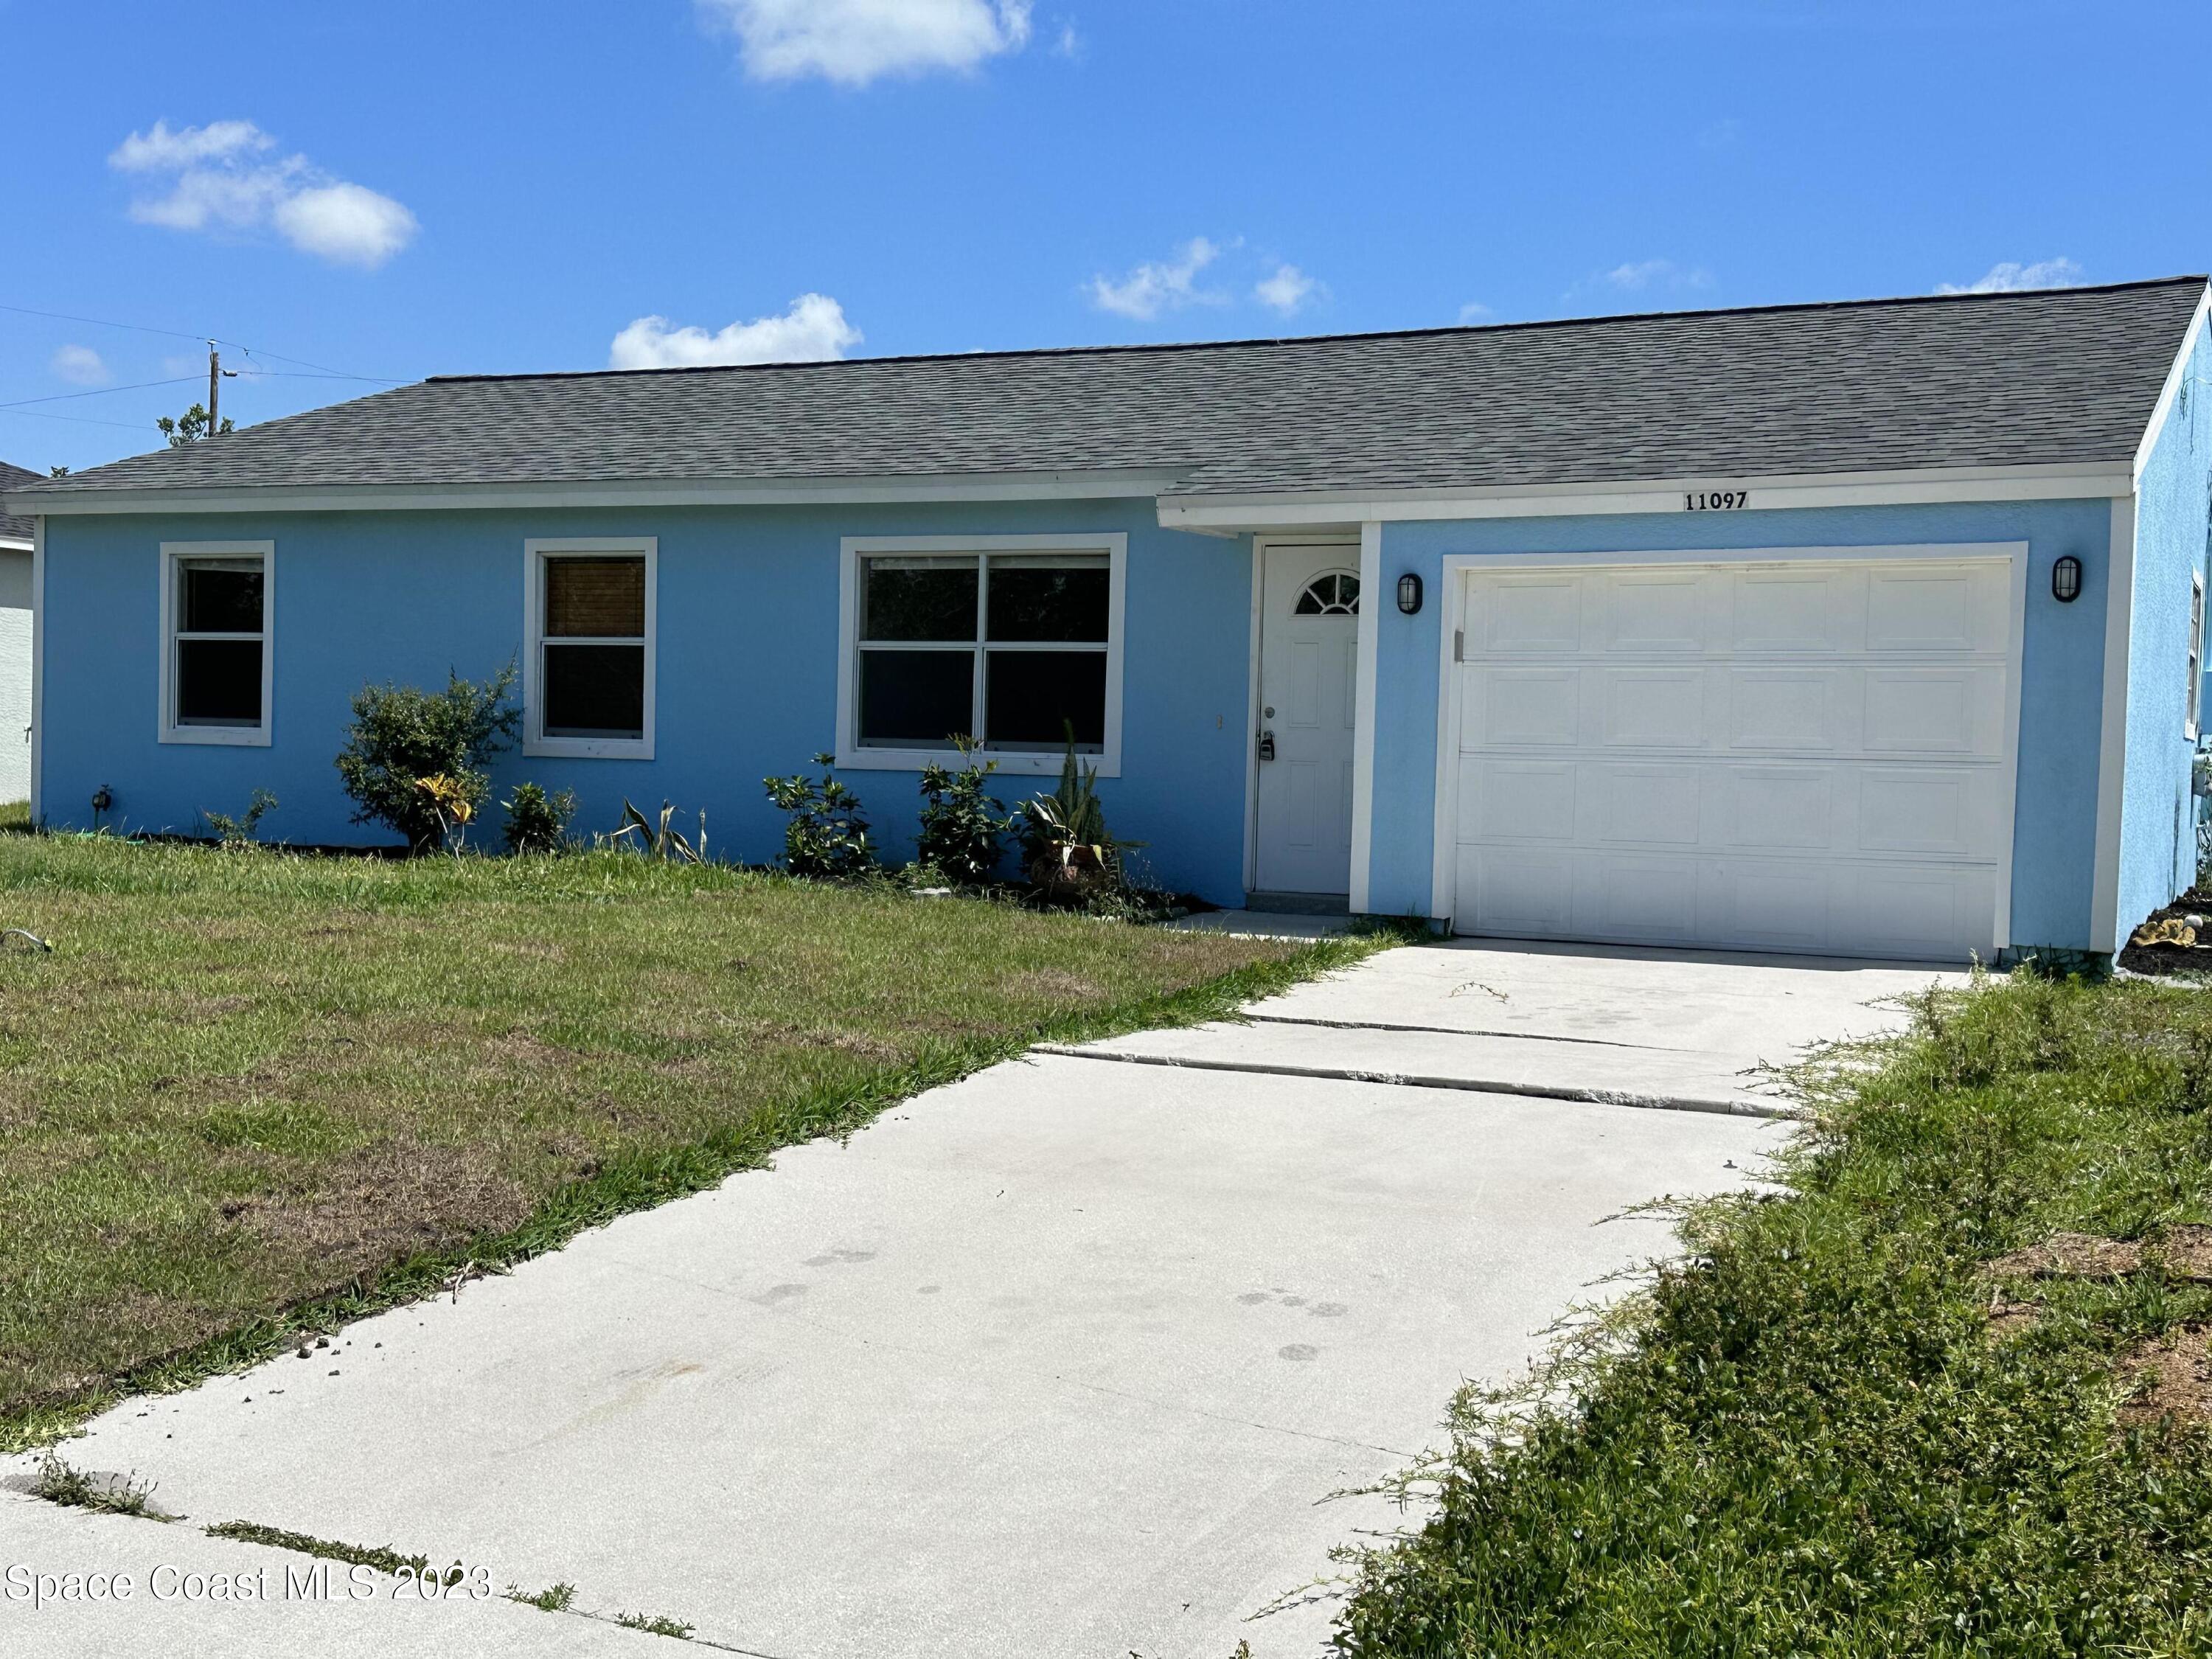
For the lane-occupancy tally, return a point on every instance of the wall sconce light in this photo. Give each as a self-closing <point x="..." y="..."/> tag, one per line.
<point x="1409" y="593"/>
<point x="2066" y="579"/>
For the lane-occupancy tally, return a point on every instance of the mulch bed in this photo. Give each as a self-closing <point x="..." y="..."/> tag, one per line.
<point x="2193" y="910"/>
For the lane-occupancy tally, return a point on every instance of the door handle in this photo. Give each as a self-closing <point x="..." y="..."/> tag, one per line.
<point x="1267" y="745"/>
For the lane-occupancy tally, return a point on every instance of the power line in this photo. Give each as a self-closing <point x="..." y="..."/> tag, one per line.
<point x="98" y="391"/>
<point x="78" y="420"/>
<point x="179" y="334"/>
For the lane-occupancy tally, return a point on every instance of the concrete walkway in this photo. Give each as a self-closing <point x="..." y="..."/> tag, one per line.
<point x="1066" y="1359"/>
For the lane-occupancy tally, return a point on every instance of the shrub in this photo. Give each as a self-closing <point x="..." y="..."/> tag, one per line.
<point x="240" y="831"/>
<point x="662" y="840"/>
<point x="1067" y="852"/>
<point x="537" y="822"/>
<point x="961" y="825"/>
<point x="402" y="736"/>
<point x="827" y="836"/>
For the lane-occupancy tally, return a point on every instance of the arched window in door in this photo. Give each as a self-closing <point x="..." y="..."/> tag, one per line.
<point x="1332" y="593"/>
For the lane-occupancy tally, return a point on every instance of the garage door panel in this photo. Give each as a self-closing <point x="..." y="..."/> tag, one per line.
<point x="1653" y="707"/>
<point x="1806" y="757"/>
<point x="1524" y="707"/>
<point x="1774" y="708"/>
<point x="1643" y="897"/>
<point x="1793" y="611"/>
<point x="1936" y="711"/>
<point x="1956" y="608"/>
<point x="1643" y="806"/>
<point x="1532" y="613"/>
<point x="1521" y="891"/>
<point x="1662" y="612"/>
<point x="1770" y="809"/>
<point x="1520" y="800"/>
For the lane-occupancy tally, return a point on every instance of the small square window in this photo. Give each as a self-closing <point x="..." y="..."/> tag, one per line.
<point x="215" y="656"/>
<point x="588" y="690"/>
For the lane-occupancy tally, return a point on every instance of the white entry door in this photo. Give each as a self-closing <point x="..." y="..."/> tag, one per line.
<point x="1776" y="755"/>
<point x="1308" y="659"/>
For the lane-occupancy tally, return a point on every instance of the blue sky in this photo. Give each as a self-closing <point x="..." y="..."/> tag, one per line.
<point x="494" y="185"/>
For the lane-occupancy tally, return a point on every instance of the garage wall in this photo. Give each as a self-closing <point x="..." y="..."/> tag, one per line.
<point x="2056" y="828"/>
<point x="14" y="675"/>
<point x="2158" y="845"/>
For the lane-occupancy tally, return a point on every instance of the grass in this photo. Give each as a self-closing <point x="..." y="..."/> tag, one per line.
<point x="383" y="1560"/>
<point x="1811" y="1436"/>
<point x="249" y="1095"/>
<point x="59" y="1483"/>
<point x="657" y="1624"/>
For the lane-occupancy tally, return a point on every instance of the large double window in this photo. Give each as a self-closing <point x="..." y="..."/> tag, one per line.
<point x="215" y="660"/>
<point x="588" y="677"/>
<point x="1013" y="642"/>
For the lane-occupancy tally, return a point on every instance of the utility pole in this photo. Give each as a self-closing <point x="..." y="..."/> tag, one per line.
<point x="214" y="390"/>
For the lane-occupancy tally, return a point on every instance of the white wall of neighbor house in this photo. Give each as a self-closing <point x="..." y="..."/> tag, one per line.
<point x="14" y="674"/>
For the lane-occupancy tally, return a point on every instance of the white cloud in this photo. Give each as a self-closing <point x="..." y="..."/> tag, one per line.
<point x="1474" y="312"/>
<point x="814" y="330"/>
<point x="81" y="365"/>
<point x="1151" y="289"/>
<point x="225" y="176"/>
<point x="1288" y="290"/>
<point x="853" y="42"/>
<point x="2011" y="277"/>
<point x="347" y="223"/>
<point x="1639" y="275"/>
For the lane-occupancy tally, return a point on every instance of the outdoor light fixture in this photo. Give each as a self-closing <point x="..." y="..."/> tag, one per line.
<point x="2066" y="579"/>
<point x="1409" y="593"/>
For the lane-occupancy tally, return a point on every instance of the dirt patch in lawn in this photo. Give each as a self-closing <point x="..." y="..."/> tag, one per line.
<point x="384" y="1202"/>
<point x="2173" y="1377"/>
<point x="2072" y="1255"/>
<point x="2008" y="1318"/>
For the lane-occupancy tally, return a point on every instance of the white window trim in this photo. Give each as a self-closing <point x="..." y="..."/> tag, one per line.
<point x="1014" y="762"/>
<point x="2193" y="709"/>
<point x="236" y="736"/>
<point x="535" y="553"/>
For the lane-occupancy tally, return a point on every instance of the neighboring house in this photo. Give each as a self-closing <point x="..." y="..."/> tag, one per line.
<point x="16" y="531"/>
<point x="1871" y="628"/>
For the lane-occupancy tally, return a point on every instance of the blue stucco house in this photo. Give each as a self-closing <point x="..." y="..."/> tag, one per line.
<point x="1868" y="629"/>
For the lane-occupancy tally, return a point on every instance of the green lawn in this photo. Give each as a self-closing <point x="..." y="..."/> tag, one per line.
<point x="1814" y="1438"/>
<point x="245" y="1083"/>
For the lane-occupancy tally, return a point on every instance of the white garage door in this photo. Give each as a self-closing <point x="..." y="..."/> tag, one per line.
<point x="1776" y="757"/>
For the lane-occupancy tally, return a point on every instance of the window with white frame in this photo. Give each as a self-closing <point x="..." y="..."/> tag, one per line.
<point x="216" y="647"/>
<point x="588" y="680"/>
<point x="2196" y="656"/>
<point x="1010" y="642"/>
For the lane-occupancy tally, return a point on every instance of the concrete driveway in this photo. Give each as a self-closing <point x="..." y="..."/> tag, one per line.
<point x="1064" y="1359"/>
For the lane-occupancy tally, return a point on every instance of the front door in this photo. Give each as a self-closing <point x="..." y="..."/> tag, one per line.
<point x="1309" y="680"/>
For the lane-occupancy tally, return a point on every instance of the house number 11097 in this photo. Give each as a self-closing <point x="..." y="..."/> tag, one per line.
<point x="1714" y="501"/>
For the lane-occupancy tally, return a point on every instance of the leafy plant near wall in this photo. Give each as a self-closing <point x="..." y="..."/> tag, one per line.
<point x="537" y="822"/>
<point x="240" y="831"/>
<point x="401" y="736"/>
<point x="962" y="825"/>
<point x="827" y="833"/>
<point x="1069" y="854"/>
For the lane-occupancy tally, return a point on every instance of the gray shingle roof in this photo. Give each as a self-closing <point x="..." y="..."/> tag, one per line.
<point x="2063" y="375"/>
<point x="14" y="526"/>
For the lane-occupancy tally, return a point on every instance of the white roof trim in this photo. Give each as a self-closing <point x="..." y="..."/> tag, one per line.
<point x="2059" y="482"/>
<point x="2167" y="392"/>
<point x="16" y="544"/>
<point x="1120" y="482"/>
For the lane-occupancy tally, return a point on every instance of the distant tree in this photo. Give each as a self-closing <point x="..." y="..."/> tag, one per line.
<point x="57" y="472"/>
<point x="190" y="427"/>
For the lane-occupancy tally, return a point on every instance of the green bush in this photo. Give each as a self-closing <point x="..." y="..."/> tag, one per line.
<point x="827" y="834"/>
<point x="961" y="824"/>
<point x="537" y="822"/>
<point x="1067" y="852"/>
<point x="402" y="736"/>
<point x="241" y="831"/>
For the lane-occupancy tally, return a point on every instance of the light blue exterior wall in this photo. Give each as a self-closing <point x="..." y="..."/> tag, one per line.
<point x="2062" y="676"/>
<point x="747" y="681"/>
<point x="2158" y="842"/>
